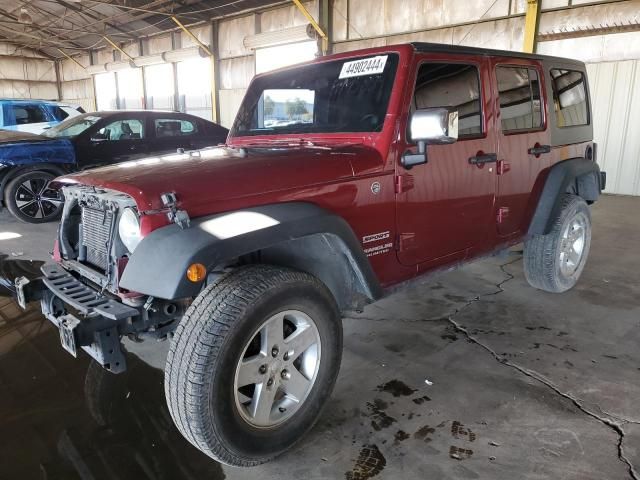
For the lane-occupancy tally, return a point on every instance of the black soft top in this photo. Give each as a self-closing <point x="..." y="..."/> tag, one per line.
<point x="462" y="49"/>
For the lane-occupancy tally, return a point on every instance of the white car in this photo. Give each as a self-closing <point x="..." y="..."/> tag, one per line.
<point x="34" y="116"/>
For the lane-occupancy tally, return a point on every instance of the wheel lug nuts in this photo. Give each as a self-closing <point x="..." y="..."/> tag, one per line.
<point x="263" y="369"/>
<point x="286" y="356"/>
<point x="285" y="375"/>
<point x="274" y="352"/>
<point x="269" y="382"/>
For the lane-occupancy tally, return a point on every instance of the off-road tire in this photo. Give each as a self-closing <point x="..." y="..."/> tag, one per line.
<point x="542" y="253"/>
<point x="10" y="197"/>
<point x="206" y="348"/>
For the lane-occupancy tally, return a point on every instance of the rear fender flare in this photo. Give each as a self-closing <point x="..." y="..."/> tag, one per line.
<point x="578" y="176"/>
<point x="298" y="235"/>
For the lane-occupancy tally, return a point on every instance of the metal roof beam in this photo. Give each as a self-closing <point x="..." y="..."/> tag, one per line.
<point x="28" y="34"/>
<point x="80" y="10"/>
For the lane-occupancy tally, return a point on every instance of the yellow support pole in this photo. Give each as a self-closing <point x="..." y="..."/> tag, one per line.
<point x="531" y="26"/>
<point x="193" y="37"/>
<point x="118" y="48"/>
<point x="315" y="25"/>
<point x="72" y="59"/>
<point x="208" y="51"/>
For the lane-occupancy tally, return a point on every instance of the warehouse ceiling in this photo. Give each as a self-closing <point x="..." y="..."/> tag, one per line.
<point x="73" y="26"/>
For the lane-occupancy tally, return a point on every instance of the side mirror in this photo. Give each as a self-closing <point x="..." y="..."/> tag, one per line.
<point x="430" y="126"/>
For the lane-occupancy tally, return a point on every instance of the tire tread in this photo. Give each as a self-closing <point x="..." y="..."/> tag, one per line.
<point x="197" y="341"/>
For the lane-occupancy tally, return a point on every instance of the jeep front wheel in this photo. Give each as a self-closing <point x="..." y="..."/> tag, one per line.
<point x="252" y="363"/>
<point x="555" y="261"/>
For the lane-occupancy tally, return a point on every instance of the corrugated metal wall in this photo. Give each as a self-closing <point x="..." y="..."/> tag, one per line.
<point x="26" y="75"/>
<point x="615" y="97"/>
<point x="76" y="84"/>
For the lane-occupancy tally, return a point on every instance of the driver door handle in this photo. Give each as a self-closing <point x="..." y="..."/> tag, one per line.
<point x="484" y="158"/>
<point x="539" y="150"/>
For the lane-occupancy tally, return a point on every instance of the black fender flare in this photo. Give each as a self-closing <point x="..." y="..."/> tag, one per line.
<point x="576" y="175"/>
<point x="296" y="234"/>
<point x="10" y="173"/>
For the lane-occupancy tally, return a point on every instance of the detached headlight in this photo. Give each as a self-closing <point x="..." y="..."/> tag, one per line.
<point x="129" y="229"/>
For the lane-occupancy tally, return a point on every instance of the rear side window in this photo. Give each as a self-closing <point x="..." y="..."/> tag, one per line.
<point x="170" y="127"/>
<point x="519" y="92"/>
<point x="454" y="86"/>
<point x="25" y="114"/>
<point x="59" y="113"/>
<point x="569" y="98"/>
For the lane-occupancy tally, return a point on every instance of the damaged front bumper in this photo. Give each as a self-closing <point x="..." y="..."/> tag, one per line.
<point x="90" y="320"/>
<point x="85" y="318"/>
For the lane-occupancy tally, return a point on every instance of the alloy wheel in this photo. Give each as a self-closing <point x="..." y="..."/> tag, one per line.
<point x="35" y="199"/>
<point x="572" y="244"/>
<point x="277" y="369"/>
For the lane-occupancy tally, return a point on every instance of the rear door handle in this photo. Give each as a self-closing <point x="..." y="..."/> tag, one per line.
<point x="539" y="150"/>
<point x="483" y="158"/>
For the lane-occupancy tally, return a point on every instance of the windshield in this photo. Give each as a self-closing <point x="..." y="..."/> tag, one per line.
<point x="348" y="95"/>
<point x="72" y="127"/>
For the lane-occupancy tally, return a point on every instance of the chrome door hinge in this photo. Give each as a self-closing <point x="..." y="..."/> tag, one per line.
<point x="503" y="212"/>
<point x="404" y="183"/>
<point x="502" y="167"/>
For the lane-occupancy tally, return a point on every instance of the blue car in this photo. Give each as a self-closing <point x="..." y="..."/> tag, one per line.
<point x="29" y="162"/>
<point x="34" y="116"/>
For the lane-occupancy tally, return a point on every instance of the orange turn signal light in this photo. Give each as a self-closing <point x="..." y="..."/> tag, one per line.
<point x="196" y="272"/>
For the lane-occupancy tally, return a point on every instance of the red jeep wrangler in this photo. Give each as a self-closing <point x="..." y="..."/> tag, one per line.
<point x="341" y="178"/>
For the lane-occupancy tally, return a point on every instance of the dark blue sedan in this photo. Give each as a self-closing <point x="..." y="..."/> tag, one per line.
<point x="29" y="162"/>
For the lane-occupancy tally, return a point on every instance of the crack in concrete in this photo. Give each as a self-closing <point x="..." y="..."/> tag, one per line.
<point x="623" y="420"/>
<point x="616" y="427"/>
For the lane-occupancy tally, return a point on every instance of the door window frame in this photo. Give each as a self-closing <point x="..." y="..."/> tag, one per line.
<point x="107" y="122"/>
<point x="543" y="97"/>
<point x="556" y="94"/>
<point x="195" y="123"/>
<point x="481" y="98"/>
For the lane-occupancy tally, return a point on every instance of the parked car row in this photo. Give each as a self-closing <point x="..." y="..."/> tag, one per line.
<point x="28" y="161"/>
<point x="34" y="116"/>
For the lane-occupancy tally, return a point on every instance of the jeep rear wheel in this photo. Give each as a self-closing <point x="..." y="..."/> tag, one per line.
<point x="555" y="261"/>
<point x="252" y="363"/>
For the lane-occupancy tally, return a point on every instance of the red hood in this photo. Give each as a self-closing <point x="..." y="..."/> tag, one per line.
<point x="206" y="180"/>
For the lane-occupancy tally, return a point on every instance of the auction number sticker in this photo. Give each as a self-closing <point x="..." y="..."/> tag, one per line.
<point x="367" y="66"/>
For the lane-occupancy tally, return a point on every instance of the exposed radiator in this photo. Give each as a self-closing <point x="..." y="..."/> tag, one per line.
<point x="96" y="234"/>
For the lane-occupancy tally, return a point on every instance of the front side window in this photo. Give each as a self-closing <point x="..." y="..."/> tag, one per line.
<point x="569" y="98"/>
<point x="348" y="96"/>
<point x="129" y="129"/>
<point x="519" y="92"/>
<point x="26" y="114"/>
<point x="453" y="86"/>
<point x="171" y="127"/>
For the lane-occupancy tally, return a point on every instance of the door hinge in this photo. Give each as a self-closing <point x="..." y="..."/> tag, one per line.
<point x="404" y="183"/>
<point x="502" y="167"/>
<point x="405" y="241"/>
<point x="503" y="212"/>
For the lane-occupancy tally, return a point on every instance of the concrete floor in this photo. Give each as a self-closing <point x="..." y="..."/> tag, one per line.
<point x="470" y="374"/>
